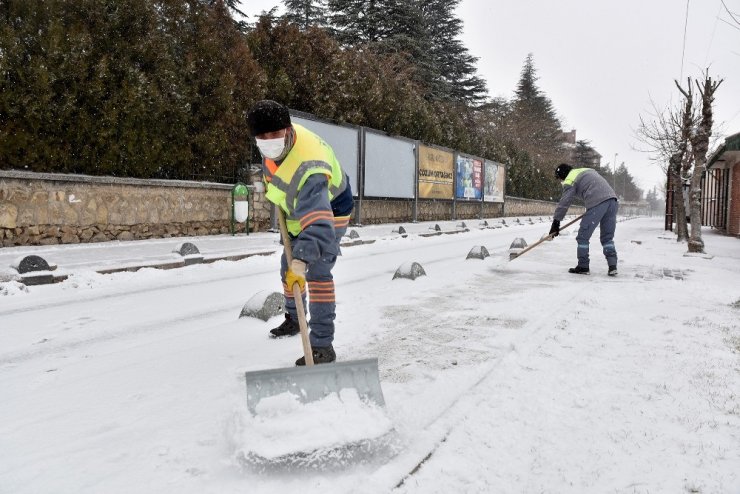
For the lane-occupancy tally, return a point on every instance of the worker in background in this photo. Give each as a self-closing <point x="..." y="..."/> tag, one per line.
<point x="601" y="210"/>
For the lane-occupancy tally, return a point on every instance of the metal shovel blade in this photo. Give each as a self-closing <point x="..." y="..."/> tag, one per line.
<point x="312" y="383"/>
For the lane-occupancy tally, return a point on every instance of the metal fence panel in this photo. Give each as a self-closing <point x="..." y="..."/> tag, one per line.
<point x="344" y="141"/>
<point x="390" y="166"/>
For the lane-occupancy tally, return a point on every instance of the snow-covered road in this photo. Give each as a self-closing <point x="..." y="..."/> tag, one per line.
<point x="515" y="376"/>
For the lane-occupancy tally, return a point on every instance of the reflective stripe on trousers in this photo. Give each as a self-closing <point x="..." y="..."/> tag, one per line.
<point x="321" y="294"/>
<point x="605" y="216"/>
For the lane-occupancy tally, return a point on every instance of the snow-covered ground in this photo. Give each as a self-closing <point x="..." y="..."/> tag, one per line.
<point x="498" y="376"/>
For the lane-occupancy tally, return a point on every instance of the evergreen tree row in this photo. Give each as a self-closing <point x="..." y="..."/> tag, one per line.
<point x="425" y="31"/>
<point x="138" y="88"/>
<point x="160" y="88"/>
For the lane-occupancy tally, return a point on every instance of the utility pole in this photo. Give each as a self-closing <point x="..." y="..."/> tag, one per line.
<point x="624" y="182"/>
<point x="614" y="173"/>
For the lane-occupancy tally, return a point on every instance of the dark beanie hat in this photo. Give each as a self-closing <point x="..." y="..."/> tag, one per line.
<point x="267" y="116"/>
<point x="563" y="170"/>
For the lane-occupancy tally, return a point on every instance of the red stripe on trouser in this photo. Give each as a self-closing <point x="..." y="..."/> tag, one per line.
<point x="289" y="293"/>
<point x="321" y="291"/>
<point x="341" y="221"/>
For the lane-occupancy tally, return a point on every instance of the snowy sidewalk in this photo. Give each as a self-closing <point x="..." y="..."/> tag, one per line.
<point x="114" y="256"/>
<point x="499" y="376"/>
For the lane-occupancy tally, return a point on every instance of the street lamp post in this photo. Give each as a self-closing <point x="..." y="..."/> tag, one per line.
<point x="614" y="173"/>
<point x="624" y="184"/>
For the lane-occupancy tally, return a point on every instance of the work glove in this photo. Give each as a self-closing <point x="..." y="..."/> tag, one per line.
<point x="296" y="274"/>
<point x="555" y="228"/>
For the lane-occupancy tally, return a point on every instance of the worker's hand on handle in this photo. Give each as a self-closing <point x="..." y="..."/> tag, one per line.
<point x="555" y="228"/>
<point x="296" y="274"/>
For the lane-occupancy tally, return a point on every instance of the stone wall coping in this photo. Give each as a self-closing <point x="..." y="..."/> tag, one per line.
<point x="529" y="200"/>
<point x="108" y="180"/>
<point x="621" y="202"/>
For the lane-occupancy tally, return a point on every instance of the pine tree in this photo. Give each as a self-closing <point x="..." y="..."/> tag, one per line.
<point x="530" y="101"/>
<point x="403" y="31"/>
<point x="583" y="154"/>
<point x="653" y="199"/>
<point x="450" y="59"/>
<point x="425" y="31"/>
<point x="306" y="13"/>
<point x="536" y="130"/>
<point x="358" y="22"/>
<point x="232" y="6"/>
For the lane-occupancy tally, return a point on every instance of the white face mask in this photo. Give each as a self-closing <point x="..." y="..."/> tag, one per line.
<point x="271" y="148"/>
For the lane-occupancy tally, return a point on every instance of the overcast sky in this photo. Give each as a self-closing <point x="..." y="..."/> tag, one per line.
<point x="603" y="64"/>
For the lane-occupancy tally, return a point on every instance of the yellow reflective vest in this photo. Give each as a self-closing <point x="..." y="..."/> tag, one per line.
<point x="309" y="155"/>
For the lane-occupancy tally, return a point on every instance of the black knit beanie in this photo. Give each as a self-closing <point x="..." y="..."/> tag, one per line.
<point x="563" y="170"/>
<point x="267" y="116"/>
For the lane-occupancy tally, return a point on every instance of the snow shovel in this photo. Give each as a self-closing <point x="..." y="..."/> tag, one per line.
<point x="312" y="382"/>
<point x="547" y="237"/>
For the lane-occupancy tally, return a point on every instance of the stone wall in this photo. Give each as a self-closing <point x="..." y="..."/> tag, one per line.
<point x="493" y="209"/>
<point x="375" y="211"/>
<point x="468" y="210"/>
<point x="260" y="209"/>
<point x="45" y="209"/>
<point x="431" y="210"/>
<point x="517" y="206"/>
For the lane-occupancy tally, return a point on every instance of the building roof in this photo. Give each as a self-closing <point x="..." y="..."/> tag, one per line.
<point x="727" y="154"/>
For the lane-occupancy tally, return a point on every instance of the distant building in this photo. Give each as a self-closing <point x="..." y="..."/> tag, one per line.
<point x="570" y="137"/>
<point x="580" y="153"/>
<point x="720" y="196"/>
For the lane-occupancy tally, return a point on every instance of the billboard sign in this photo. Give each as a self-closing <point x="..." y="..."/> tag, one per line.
<point x="494" y="182"/>
<point x="436" y="173"/>
<point x="469" y="174"/>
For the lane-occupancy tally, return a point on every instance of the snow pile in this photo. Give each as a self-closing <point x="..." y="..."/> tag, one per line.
<point x="12" y="288"/>
<point x="285" y="430"/>
<point x="84" y="279"/>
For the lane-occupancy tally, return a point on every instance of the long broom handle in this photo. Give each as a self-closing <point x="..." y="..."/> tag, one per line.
<point x="548" y="237"/>
<point x="307" y="350"/>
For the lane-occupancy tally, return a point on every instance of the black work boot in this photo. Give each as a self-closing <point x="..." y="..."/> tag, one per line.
<point x="289" y="327"/>
<point x="579" y="270"/>
<point x="321" y="355"/>
<point x="612" y="271"/>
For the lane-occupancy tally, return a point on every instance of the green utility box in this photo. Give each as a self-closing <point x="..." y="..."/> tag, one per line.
<point x="239" y="207"/>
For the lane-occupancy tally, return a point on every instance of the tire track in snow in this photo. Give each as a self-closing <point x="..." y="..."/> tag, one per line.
<point x="170" y="323"/>
<point x="438" y="428"/>
<point x="69" y="302"/>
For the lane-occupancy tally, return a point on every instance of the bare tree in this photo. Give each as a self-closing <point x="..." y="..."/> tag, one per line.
<point x="666" y="141"/>
<point x="700" y="146"/>
<point x="679" y="163"/>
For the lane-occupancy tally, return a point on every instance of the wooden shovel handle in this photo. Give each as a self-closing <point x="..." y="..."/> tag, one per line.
<point x="307" y="350"/>
<point x="548" y="237"/>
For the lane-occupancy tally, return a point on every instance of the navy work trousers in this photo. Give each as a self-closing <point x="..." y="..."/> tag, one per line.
<point x="605" y="216"/>
<point x="321" y="296"/>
